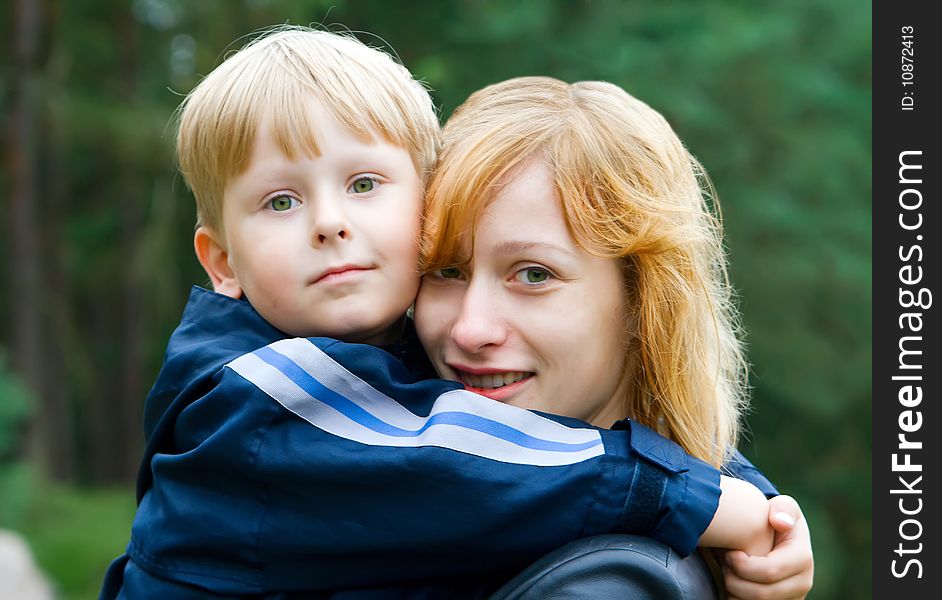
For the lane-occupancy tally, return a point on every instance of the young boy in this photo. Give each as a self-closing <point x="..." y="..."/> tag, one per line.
<point x="276" y="463"/>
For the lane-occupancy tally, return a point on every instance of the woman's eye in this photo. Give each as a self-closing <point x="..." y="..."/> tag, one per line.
<point x="363" y="185"/>
<point x="449" y="273"/>
<point x="532" y="275"/>
<point x="282" y="203"/>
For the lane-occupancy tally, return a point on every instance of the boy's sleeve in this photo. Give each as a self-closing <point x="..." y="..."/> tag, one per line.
<point x="327" y="467"/>
<point x="738" y="466"/>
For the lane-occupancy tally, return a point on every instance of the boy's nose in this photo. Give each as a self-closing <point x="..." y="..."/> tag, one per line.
<point x="326" y="235"/>
<point x="330" y="226"/>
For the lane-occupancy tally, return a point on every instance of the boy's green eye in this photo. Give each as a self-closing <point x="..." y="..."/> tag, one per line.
<point x="282" y="203"/>
<point x="363" y="185"/>
<point x="450" y="273"/>
<point x="533" y="275"/>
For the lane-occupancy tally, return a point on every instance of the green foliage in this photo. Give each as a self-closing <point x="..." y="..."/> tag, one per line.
<point x="15" y="476"/>
<point x="18" y="489"/>
<point x="75" y="533"/>
<point x="15" y="409"/>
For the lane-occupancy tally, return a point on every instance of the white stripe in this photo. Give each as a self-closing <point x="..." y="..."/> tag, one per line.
<point x="336" y="377"/>
<point x="445" y="435"/>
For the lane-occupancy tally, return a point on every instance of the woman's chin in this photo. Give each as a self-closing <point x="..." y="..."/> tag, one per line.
<point x="506" y="393"/>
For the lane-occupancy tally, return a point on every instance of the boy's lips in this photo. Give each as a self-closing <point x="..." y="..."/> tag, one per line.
<point x="497" y="384"/>
<point x="338" y="274"/>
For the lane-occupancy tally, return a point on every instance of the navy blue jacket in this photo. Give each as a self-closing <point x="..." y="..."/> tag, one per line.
<point x="277" y="465"/>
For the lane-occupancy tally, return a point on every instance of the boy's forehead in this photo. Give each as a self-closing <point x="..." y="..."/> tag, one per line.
<point x="307" y="131"/>
<point x="309" y="125"/>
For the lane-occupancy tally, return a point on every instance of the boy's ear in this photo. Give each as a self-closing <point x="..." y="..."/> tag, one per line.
<point x="215" y="261"/>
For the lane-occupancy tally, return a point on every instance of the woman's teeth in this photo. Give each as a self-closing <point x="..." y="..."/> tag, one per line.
<point x="493" y="380"/>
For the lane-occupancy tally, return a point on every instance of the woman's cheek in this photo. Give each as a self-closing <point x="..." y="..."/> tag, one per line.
<point x="432" y="317"/>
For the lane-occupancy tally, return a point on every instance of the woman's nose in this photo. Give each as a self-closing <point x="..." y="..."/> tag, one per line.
<point x="479" y="325"/>
<point x="330" y="224"/>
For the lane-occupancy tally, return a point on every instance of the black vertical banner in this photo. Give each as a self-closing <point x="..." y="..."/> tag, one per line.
<point x="907" y="66"/>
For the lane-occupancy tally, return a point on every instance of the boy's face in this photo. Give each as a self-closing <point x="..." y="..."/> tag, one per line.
<point x="328" y="245"/>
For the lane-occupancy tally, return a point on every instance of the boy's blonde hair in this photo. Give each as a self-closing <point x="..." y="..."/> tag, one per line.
<point x="275" y="77"/>
<point x="630" y="191"/>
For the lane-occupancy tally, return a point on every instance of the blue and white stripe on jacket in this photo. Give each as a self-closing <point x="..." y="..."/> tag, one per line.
<point x="309" y="383"/>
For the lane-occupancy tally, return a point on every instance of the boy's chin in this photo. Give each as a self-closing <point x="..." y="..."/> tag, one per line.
<point x="357" y="329"/>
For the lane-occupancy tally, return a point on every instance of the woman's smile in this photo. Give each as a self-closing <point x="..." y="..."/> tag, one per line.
<point x="493" y="383"/>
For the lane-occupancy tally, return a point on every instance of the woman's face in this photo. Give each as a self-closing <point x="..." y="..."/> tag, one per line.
<point x="533" y="320"/>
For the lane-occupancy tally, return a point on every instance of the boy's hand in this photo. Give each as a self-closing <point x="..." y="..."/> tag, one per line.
<point x="787" y="572"/>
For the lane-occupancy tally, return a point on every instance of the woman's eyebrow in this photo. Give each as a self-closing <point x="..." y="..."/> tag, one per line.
<point x="517" y="247"/>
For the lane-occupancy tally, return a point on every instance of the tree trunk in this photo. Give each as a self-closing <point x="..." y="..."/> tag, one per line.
<point x="59" y="412"/>
<point x="25" y="276"/>
<point x="129" y="396"/>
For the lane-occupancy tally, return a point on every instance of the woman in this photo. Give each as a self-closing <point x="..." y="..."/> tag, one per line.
<point x="570" y="252"/>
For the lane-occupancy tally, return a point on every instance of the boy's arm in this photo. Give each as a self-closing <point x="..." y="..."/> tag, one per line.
<point x="297" y="473"/>
<point x="787" y="571"/>
<point x="741" y="521"/>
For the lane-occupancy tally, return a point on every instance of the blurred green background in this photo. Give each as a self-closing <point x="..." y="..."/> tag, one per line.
<point x="773" y="98"/>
